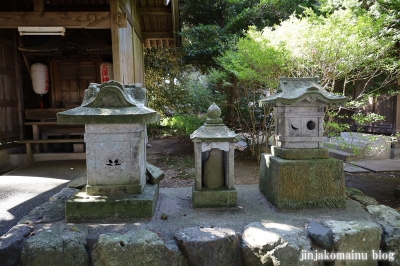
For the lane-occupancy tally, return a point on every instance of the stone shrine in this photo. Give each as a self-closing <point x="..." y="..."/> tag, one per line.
<point x="115" y="118"/>
<point x="214" y="163"/>
<point x="299" y="173"/>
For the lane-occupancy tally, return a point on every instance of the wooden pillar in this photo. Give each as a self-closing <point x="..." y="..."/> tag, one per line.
<point x="19" y="88"/>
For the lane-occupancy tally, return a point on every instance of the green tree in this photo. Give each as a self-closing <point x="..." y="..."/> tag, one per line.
<point x="343" y="46"/>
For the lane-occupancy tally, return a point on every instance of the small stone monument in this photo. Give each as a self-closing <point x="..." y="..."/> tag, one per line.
<point x="299" y="173"/>
<point x="115" y="118"/>
<point x="214" y="163"/>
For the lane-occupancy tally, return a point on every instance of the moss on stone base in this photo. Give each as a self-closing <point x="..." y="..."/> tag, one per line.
<point x="86" y="208"/>
<point x="298" y="184"/>
<point x="214" y="198"/>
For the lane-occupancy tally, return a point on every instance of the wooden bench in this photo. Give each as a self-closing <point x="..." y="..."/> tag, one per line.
<point x="29" y="142"/>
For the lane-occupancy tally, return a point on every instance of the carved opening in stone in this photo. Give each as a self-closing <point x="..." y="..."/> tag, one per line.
<point x="113" y="163"/>
<point x="311" y="125"/>
<point x="213" y="168"/>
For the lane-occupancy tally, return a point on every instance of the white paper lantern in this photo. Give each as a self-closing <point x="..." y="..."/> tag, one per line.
<point x="40" y="78"/>
<point x="106" y="72"/>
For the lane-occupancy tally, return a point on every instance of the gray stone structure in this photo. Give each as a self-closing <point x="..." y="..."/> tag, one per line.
<point x="299" y="172"/>
<point x="214" y="161"/>
<point x="115" y="118"/>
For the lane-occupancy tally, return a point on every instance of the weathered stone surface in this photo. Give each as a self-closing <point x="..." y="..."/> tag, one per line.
<point x="321" y="235"/>
<point x="396" y="193"/>
<point x="364" y="199"/>
<point x="358" y="236"/>
<point x="78" y="183"/>
<point x="50" y="211"/>
<point x="57" y="245"/>
<point x="137" y="247"/>
<point x="111" y="103"/>
<point x="154" y="173"/>
<point x="11" y="244"/>
<point x="209" y="246"/>
<point x="86" y="208"/>
<point x="214" y="198"/>
<point x="274" y="244"/>
<point x="300" y="154"/>
<point x="389" y="219"/>
<point x="353" y="191"/>
<point x="296" y="184"/>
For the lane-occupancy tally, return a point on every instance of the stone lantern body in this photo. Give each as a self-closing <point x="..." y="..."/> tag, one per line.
<point x="214" y="163"/>
<point x="115" y="118"/>
<point x="299" y="173"/>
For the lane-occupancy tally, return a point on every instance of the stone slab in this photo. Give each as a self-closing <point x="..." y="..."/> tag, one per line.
<point x="300" y="154"/>
<point x="214" y="198"/>
<point x="83" y="207"/>
<point x="384" y="165"/>
<point x="298" y="184"/>
<point x="349" y="168"/>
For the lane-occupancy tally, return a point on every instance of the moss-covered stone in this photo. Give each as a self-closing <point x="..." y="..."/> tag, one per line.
<point x="86" y="208"/>
<point x="297" y="184"/>
<point x="214" y="198"/>
<point x="300" y="154"/>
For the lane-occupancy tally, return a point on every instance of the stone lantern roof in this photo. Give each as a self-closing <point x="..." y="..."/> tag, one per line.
<point x="295" y="90"/>
<point x="111" y="103"/>
<point x="213" y="129"/>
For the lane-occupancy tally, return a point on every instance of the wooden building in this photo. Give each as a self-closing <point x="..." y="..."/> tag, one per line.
<point x="96" y="31"/>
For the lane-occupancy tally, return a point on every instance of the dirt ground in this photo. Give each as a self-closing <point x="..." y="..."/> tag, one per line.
<point x="175" y="156"/>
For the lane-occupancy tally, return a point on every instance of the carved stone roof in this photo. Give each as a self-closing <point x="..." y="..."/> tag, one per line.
<point x="295" y="90"/>
<point x="111" y="103"/>
<point x="213" y="129"/>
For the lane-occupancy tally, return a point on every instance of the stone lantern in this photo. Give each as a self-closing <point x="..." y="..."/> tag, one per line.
<point x="299" y="173"/>
<point x="115" y="118"/>
<point x="214" y="163"/>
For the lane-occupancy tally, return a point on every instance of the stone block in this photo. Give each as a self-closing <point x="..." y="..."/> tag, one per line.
<point x="57" y="245"/>
<point x="78" y="183"/>
<point x="209" y="246"/>
<point x="83" y="207"/>
<point x="296" y="184"/>
<point x="389" y="219"/>
<point x="274" y="244"/>
<point x="11" y="244"/>
<point x="300" y="154"/>
<point x="139" y="247"/>
<point x="364" y="200"/>
<point x="214" y="198"/>
<point x="321" y="235"/>
<point x="355" y="237"/>
<point x="397" y="193"/>
<point x="154" y="174"/>
<point x="50" y="211"/>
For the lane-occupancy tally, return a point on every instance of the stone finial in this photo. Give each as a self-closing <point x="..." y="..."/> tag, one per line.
<point x="213" y="129"/>
<point x="214" y="115"/>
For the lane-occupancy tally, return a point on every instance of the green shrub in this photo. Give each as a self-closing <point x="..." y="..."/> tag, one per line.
<point x="177" y="126"/>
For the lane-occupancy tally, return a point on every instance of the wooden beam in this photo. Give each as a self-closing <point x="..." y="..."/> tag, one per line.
<point x="132" y="22"/>
<point x="38" y="5"/>
<point x="158" y="35"/>
<point x="87" y="20"/>
<point x="154" y="11"/>
<point x="9" y="134"/>
<point x="7" y="72"/>
<point x="4" y="103"/>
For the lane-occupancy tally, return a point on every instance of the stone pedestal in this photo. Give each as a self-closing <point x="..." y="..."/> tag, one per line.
<point x="303" y="178"/>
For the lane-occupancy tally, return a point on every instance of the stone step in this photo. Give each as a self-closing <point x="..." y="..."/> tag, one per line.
<point x="341" y="155"/>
